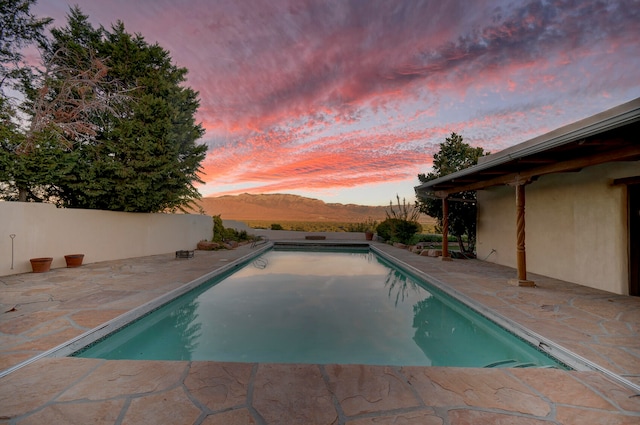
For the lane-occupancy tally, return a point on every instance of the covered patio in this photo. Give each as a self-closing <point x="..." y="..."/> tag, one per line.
<point x="602" y="150"/>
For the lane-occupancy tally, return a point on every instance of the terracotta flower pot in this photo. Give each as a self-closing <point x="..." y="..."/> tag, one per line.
<point x="41" y="265"/>
<point x="368" y="235"/>
<point x="74" y="260"/>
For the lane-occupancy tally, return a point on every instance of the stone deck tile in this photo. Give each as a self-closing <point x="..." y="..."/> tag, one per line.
<point x="24" y="323"/>
<point x="37" y="345"/>
<point x="602" y="327"/>
<point x="219" y="386"/>
<point x="611" y="391"/>
<point x="563" y="391"/>
<point x="366" y="389"/>
<point x="231" y="417"/>
<point x="481" y="388"/>
<point x="89" y="319"/>
<point x="293" y="394"/>
<point x="124" y="392"/>
<point x="39" y="383"/>
<point x="118" y="378"/>
<point x="420" y="417"/>
<point x="167" y="407"/>
<point x="95" y="413"/>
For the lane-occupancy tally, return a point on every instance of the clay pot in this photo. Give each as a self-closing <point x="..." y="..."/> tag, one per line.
<point x="74" y="260"/>
<point x="41" y="265"/>
<point x="368" y="235"/>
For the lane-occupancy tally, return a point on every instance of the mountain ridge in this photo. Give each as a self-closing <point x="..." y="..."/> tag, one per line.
<point x="287" y="207"/>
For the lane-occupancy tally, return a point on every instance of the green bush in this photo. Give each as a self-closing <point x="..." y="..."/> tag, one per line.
<point x="405" y="230"/>
<point x="222" y="234"/>
<point x="384" y="229"/>
<point x="398" y="230"/>
<point x="218" y="229"/>
<point x="276" y="226"/>
<point x="237" y="235"/>
<point x="435" y="238"/>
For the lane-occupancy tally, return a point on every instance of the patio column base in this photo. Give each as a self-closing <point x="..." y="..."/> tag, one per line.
<point x="520" y="282"/>
<point x="445" y="258"/>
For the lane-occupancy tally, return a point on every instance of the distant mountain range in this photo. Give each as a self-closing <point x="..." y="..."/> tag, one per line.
<point x="287" y="208"/>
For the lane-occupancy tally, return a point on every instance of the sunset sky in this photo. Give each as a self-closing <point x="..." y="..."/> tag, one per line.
<point x="347" y="101"/>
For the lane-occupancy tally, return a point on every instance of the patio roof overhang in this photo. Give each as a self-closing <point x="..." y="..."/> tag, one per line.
<point x="613" y="135"/>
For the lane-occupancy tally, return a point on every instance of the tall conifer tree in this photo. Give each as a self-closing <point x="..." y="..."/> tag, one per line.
<point x="139" y="156"/>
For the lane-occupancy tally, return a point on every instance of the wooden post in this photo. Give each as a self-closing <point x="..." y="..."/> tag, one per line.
<point x="521" y="253"/>
<point x="445" y="230"/>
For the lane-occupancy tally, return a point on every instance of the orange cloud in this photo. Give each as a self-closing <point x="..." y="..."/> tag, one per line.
<point x="323" y="94"/>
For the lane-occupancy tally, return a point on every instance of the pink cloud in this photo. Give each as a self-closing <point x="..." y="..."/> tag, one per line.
<point x="321" y="93"/>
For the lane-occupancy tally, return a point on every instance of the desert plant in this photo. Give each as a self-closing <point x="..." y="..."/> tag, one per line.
<point x="365" y="226"/>
<point x="403" y="211"/>
<point x="401" y="223"/>
<point x="276" y="226"/>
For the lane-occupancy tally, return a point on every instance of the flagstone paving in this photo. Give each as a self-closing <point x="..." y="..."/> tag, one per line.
<point x="41" y="311"/>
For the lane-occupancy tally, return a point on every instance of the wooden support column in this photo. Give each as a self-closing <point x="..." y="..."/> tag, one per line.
<point x="445" y="230"/>
<point x="521" y="253"/>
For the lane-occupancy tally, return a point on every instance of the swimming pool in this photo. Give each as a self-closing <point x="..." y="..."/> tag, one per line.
<point x="349" y="307"/>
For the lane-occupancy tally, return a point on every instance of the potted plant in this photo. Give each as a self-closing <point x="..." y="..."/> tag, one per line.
<point x="74" y="260"/>
<point x="370" y="226"/>
<point x="41" y="264"/>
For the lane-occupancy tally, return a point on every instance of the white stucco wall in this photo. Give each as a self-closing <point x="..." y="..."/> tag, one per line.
<point x="42" y="230"/>
<point x="576" y="226"/>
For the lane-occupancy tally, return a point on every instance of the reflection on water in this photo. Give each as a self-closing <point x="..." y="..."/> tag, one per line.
<point x="187" y="329"/>
<point x="399" y="285"/>
<point x="317" y="307"/>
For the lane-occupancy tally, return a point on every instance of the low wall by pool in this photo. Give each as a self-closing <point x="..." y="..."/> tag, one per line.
<point x="30" y="230"/>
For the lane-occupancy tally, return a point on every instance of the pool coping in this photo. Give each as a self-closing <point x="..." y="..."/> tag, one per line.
<point x="601" y="326"/>
<point x="544" y="344"/>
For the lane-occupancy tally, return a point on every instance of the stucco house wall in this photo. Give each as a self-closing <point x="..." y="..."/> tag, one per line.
<point x="576" y="226"/>
<point x="42" y="230"/>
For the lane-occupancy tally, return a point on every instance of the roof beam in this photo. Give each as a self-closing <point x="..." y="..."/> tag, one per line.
<point x="627" y="181"/>
<point x="627" y="153"/>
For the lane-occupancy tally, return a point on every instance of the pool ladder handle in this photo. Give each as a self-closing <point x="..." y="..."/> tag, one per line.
<point x="261" y="241"/>
<point x="515" y="364"/>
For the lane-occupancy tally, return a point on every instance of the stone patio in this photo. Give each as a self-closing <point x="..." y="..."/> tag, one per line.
<point x="41" y="311"/>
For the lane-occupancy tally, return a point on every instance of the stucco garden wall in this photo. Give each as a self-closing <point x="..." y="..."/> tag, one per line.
<point x="42" y="230"/>
<point x="576" y="226"/>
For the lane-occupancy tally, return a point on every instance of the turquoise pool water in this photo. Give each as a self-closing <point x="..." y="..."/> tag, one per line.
<point x="319" y="307"/>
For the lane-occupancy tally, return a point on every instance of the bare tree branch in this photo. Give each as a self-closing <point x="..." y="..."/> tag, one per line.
<point x="69" y="99"/>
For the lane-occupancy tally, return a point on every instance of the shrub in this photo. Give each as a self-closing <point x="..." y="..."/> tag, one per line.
<point x="218" y="229"/>
<point x="433" y="237"/>
<point x="404" y="230"/>
<point x="384" y="229"/>
<point x="398" y="230"/>
<point x="401" y="223"/>
<point x="222" y="234"/>
<point x="276" y="226"/>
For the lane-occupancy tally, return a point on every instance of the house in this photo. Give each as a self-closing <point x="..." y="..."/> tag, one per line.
<point x="565" y="204"/>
